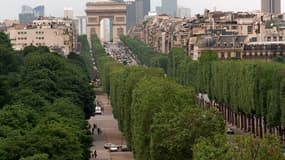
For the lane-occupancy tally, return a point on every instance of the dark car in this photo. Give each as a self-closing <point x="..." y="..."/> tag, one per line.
<point x="124" y="148"/>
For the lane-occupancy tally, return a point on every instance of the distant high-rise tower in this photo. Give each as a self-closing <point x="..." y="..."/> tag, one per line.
<point x="68" y="13"/>
<point x="26" y="15"/>
<point x="146" y="7"/>
<point x="168" y="7"/>
<point x="27" y="9"/>
<point x="183" y="12"/>
<point x="29" y="14"/>
<point x="131" y="13"/>
<point x="271" y="6"/>
<point x="39" y="11"/>
<point x="139" y="12"/>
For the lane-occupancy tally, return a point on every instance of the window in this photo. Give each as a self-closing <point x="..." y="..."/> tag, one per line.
<point x="120" y="19"/>
<point x="249" y="29"/>
<point x="234" y="27"/>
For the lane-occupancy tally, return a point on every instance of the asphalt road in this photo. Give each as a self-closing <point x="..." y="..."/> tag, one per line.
<point x="110" y="133"/>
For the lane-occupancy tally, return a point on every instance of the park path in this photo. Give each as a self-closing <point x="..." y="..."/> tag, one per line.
<point x="110" y="133"/>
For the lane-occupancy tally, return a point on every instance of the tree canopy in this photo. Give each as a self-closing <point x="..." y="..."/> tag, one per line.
<point x="44" y="101"/>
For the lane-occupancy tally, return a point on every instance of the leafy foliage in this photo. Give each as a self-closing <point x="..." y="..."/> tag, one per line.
<point x="244" y="147"/>
<point x="251" y="87"/>
<point x="44" y="100"/>
<point x="144" y="55"/>
<point x="145" y="102"/>
<point x="5" y="41"/>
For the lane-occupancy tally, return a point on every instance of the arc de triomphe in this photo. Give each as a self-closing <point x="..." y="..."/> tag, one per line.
<point x="101" y="9"/>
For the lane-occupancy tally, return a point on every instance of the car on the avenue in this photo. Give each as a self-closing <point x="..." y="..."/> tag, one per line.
<point x="230" y="131"/>
<point x="107" y="145"/>
<point x="98" y="110"/>
<point x="124" y="148"/>
<point x="114" y="148"/>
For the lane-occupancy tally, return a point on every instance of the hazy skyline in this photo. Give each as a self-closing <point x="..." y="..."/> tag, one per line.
<point x="11" y="8"/>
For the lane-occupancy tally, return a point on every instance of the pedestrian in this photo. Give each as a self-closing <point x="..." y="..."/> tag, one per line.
<point x="94" y="126"/>
<point x="93" y="130"/>
<point x="98" y="131"/>
<point x="95" y="154"/>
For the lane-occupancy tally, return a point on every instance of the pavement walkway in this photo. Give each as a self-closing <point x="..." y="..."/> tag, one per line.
<point x="110" y="133"/>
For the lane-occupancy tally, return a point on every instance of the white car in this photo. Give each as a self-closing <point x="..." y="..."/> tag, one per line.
<point x="107" y="145"/>
<point x="98" y="110"/>
<point x="113" y="148"/>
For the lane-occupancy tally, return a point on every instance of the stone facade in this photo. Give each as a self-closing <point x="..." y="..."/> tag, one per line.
<point x="115" y="11"/>
<point x="227" y="33"/>
<point x="57" y="34"/>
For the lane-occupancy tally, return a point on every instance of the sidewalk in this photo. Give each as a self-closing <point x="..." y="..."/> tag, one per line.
<point x="110" y="133"/>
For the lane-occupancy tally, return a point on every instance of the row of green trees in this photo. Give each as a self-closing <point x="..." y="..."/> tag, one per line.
<point x="86" y="59"/>
<point x="144" y="54"/>
<point x="246" y="86"/>
<point x="158" y="117"/>
<point x="44" y="101"/>
<point x="251" y="87"/>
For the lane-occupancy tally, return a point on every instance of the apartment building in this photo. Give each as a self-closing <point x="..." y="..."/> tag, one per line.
<point x="230" y="34"/>
<point x="57" y="34"/>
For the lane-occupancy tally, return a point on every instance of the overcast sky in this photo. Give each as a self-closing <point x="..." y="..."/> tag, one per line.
<point x="9" y="9"/>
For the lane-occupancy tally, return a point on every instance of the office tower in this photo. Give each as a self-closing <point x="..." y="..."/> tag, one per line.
<point x="131" y="14"/>
<point x="68" y="13"/>
<point x="27" y="9"/>
<point x="158" y="9"/>
<point x="146" y="7"/>
<point x="271" y="6"/>
<point x="184" y="12"/>
<point x="39" y="11"/>
<point x="139" y="12"/>
<point x="81" y="25"/>
<point x="26" y="15"/>
<point x="136" y="11"/>
<point x="25" y="18"/>
<point x="168" y="7"/>
<point x="29" y="14"/>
